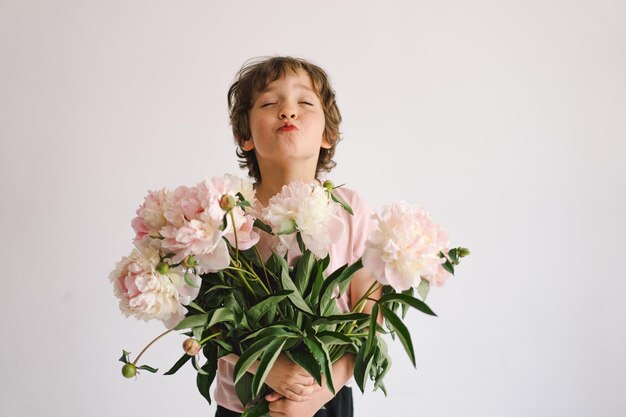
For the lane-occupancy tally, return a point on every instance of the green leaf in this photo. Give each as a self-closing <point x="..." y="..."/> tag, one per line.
<point x="183" y="360"/>
<point x="195" y="364"/>
<point x="337" y="199"/>
<point x="313" y="297"/>
<point x="265" y="365"/>
<point x="362" y="366"/>
<point x="260" y="409"/>
<point x="287" y="227"/>
<point x="334" y="338"/>
<point x="295" y="296"/>
<point x="341" y="275"/>
<point x="124" y="357"/>
<point x="258" y="310"/>
<point x="263" y="226"/>
<point x="189" y="281"/>
<point x="196" y="307"/>
<point x="226" y="347"/>
<point x="219" y="287"/>
<point x="148" y="368"/>
<point x="448" y="267"/>
<point x="409" y="300"/>
<point x="322" y="357"/>
<point x="401" y="331"/>
<point x="248" y="356"/>
<point x="340" y="351"/>
<point x="242" y="201"/>
<point x="383" y="362"/>
<point x="273" y="331"/>
<point x="340" y="318"/>
<point x="371" y="336"/>
<point x="205" y="379"/>
<point x="300" y="242"/>
<point x="405" y="307"/>
<point x="243" y="387"/>
<point x="203" y="382"/>
<point x="423" y="288"/>
<point x="303" y="270"/>
<point x="192" y="321"/>
<point x="221" y="315"/>
<point x="305" y="359"/>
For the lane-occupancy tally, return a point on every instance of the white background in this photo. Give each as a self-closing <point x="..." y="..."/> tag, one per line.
<point x="505" y="119"/>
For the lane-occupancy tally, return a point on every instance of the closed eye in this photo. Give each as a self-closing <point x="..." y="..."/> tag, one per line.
<point x="307" y="103"/>
<point x="267" y="104"/>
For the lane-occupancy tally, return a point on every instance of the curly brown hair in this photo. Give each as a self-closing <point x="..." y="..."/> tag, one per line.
<point x="253" y="78"/>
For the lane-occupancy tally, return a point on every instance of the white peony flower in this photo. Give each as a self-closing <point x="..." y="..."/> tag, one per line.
<point x="404" y="247"/>
<point x="304" y="208"/>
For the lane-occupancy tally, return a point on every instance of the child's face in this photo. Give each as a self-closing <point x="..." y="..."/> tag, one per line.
<point x="287" y="122"/>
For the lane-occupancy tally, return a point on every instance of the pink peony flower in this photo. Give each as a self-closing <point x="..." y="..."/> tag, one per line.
<point x="150" y="217"/>
<point x="195" y="219"/>
<point x="405" y="246"/>
<point x="148" y="295"/>
<point x="193" y="228"/>
<point x="303" y="208"/>
<point x="231" y="185"/>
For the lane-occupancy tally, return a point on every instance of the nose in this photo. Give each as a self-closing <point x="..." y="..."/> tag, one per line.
<point x="288" y="111"/>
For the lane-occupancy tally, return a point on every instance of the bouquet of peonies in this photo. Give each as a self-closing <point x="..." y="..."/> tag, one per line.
<point x="198" y="266"/>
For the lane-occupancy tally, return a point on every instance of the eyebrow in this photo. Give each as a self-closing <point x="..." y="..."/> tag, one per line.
<point x="299" y="85"/>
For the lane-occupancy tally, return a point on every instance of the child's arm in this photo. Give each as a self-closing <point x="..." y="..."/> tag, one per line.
<point x="342" y="369"/>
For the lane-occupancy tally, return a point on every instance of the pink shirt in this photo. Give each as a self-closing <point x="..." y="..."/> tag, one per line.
<point x="347" y="249"/>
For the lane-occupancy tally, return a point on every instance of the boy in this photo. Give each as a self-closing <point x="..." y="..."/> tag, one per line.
<point x="285" y="121"/>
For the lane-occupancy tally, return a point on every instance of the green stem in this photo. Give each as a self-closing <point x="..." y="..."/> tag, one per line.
<point x="258" y="254"/>
<point x="232" y="218"/>
<point x="206" y="339"/>
<point x="358" y="307"/>
<point x="243" y="280"/>
<point x="150" y="344"/>
<point x="360" y="304"/>
<point x="254" y="275"/>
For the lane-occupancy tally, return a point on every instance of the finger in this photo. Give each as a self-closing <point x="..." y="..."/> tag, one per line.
<point x="302" y="380"/>
<point x="276" y="407"/>
<point x="309" y="390"/>
<point x="304" y="390"/>
<point x="290" y="395"/>
<point x="273" y="396"/>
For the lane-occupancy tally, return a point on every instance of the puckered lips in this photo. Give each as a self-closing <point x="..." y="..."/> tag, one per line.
<point x="287" y="127"/>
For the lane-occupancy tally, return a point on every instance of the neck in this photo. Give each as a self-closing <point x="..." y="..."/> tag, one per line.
<point x="275" y="178"/>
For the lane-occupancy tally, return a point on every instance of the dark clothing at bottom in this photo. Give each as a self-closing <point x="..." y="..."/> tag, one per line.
<point x="340" y="406"/>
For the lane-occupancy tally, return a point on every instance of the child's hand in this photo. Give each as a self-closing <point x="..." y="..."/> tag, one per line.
<point x="290" y="380"/>
<point x="287" y="408"/>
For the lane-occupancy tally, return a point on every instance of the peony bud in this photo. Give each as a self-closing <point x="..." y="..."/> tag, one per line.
<point x="191" y="347"/>
<point x="328" y="184"/>
<point x="129" y="370"/>
<point x="163" y="268"/>
<point x="462" y="252"/>
<point x="227" y="202"/>
<point x="190" y="261"/>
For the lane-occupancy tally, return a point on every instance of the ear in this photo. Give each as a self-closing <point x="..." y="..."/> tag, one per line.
<point x="248" y="145"/>
<point x="326" y="143"/>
